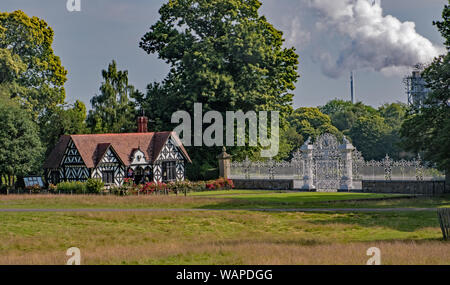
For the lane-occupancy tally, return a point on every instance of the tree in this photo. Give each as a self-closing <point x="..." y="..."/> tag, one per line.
<point x="394" y="114"/>
<point x="444" y="26"/>
<point x="427" y="129"/>
<point x="290" y="142"/>
<point x="30" y="39"/>
<point x="368" y="136"/>
<point x="222" y="54"/>
<point x="62" y="120"/>
<point x="11" y="68"/>
<point x="112" y="110"/>
<point x="311" y="123"/>
<point x="344" y="114"/>
<point x="20" y="147"/>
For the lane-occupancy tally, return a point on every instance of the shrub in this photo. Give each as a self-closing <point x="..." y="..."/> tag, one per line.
<point x="199" y="186"/>
<point x="147" y="188"/>
<point x="128" y="182"/>
<point x="120" y="190"/>
<point x="52" y="188"/>
<point x="94" y="186"/>
<point x="72" y="187"/>
<point x="229" y="184"/>
<point x="34" y="188"/>
<point x="220" y="184"/>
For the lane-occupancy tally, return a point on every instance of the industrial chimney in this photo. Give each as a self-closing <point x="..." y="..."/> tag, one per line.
<point x="352" y="88"/>
<point x="142" y="124"/>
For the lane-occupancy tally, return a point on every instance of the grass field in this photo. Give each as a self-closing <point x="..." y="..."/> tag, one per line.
<point x="234" y="236"/>
<point x="236" y="199"/>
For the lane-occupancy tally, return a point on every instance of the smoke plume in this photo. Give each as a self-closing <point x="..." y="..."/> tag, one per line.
<point x="371" y="40"/>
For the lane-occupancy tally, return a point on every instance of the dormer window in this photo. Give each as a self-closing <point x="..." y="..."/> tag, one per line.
<point x="138" y="157"/>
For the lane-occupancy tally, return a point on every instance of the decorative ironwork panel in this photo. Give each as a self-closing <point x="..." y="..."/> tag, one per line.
<point x="327" y="165"/>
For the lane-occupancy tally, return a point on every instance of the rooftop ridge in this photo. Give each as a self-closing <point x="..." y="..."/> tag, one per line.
<point x="119" y="134"/>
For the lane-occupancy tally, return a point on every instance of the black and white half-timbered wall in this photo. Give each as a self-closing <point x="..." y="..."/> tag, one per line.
<point x="143" y="157"/>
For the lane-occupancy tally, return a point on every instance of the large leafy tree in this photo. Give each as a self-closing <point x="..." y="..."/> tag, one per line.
<point x="20" y="147"/>
<point x="223" y="54"/>
<point x="30" y="39"/>
<point x="310" y="123"/>
<point x="381" y="134"/>
<point x="344" y="114"/>
<point x="112" y="110"/>
<point x="368" y="135"/>
<point x="427" y="128"/>
<point x="11" y="67"/>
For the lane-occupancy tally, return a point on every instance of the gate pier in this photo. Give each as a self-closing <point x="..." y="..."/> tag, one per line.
<point x="308" y="177"/>
<point x="346" y="149"/>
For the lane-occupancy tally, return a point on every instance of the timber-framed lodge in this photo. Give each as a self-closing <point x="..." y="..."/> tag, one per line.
<point x="142" y="156"/>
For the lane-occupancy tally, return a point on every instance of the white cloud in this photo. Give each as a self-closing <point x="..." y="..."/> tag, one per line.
<point x="295" y="35"/>
<point x="371" y="39"/>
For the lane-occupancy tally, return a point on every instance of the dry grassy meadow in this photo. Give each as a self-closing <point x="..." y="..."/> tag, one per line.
<point x="238" y="234"/>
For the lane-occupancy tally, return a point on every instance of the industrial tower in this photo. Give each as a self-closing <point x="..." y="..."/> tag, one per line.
<point x="416" y="89"/>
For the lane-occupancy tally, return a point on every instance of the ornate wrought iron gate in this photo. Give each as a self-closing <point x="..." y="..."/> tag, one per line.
<point x="327" y="163"/>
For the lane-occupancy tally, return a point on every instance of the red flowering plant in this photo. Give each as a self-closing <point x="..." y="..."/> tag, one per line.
<point x="210" y="185"/>
<point x="161" y="186"/>
<point x="128" y="182"/>
<point x="229" y="184"/>
<point x="220" y="184"/>
<point x="147" y="188"/>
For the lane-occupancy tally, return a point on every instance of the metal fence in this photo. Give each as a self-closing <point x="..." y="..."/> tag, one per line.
<point x="299" y="167"/>
<point x="388" y="169"/>
<point x="269" y="169"/>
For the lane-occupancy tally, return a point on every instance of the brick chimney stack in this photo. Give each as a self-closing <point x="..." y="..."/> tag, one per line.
<point x="142" y="124"/>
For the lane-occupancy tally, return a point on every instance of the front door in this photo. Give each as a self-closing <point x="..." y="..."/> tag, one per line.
<point x="169" y="171"/>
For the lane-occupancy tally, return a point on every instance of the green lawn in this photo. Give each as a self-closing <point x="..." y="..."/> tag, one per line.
<point x="226" y="237"/>
<point x="222" y="237"/>
<point x="234" y="199"/>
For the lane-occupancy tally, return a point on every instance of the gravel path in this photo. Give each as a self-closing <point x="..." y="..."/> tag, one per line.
<point x="205" y="210"/>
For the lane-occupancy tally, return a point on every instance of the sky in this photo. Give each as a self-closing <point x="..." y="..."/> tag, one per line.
<point x="332" y="37"/>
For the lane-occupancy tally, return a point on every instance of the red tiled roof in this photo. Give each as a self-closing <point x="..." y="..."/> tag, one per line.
<point x="55" y="157"/>
<point x="100" y="152"/>
<point x="93" y="147"/>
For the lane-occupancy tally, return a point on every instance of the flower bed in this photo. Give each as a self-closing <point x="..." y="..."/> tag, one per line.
<point x="96" y="186"/>
<point x="178" y="187"/>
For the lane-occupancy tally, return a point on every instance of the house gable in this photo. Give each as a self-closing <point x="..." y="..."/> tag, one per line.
<point x="72" y="166"/>
<point x="72" y="156"/>
<point x="170" y="151"/>
<point x="109" y="161"/>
